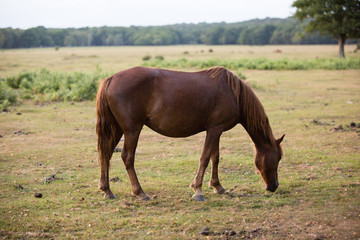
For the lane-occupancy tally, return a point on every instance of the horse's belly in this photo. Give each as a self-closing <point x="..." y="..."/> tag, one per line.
<point x="172" y="126"/>
<point x="187" y="108"/>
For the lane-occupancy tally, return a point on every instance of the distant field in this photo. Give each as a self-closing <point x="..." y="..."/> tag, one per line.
<point x="115" y="59"/>
<point x="318" y="196"/>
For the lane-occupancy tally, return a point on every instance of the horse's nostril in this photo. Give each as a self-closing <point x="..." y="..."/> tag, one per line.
<point x="272" y="187"/>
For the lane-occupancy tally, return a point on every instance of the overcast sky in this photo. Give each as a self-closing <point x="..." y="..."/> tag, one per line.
<point x="93" y="13"/>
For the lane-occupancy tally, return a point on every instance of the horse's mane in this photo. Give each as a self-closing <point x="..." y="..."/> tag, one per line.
<point x="252" y="113"/>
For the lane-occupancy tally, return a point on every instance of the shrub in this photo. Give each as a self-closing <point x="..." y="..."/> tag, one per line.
<point x="84" y="88"/>
<point x="7" y="96"/>
<point x="159" y="57"/>
<point x="15" y="81"/>
<point x="54" y="86"/>
<point x="146" y="58"/>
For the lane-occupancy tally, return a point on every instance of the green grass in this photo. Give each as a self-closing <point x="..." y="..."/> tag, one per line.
<point x="259" y="64"/>
<point x="319" y="174"/>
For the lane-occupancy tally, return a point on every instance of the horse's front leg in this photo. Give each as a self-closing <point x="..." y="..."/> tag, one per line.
<point x="211" y="146"/>
<point x="197" y="183"/>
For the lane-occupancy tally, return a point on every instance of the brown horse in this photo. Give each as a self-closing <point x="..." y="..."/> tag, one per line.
<point x="181" y="104"/>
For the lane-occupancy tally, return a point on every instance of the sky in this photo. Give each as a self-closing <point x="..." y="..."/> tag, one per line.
<point x="95" y="13"/>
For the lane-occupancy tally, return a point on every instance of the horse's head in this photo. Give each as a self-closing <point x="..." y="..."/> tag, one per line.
<point x="267" y="161"/>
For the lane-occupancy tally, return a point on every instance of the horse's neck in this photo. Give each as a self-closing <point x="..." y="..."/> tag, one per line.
<point x="259" y="138"/>
<point x="254" y="119"/>
<point x="262" y="137"/>
<point x="261" y="141"/>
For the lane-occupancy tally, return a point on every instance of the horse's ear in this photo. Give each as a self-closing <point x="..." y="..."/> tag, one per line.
<point x="278" y="141"/>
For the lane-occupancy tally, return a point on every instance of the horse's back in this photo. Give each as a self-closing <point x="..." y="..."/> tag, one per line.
<point x="172" y="103"/>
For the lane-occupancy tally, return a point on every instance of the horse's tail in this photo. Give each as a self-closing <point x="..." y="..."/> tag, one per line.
<point x="107" y="128"/>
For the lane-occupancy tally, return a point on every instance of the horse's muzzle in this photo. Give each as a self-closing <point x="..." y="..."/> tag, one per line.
<point x="272" y="187"/>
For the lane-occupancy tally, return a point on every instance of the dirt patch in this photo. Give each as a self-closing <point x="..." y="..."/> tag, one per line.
<point x="117" y="149"/>
<point x="352" y="126"/>
<point x="228" y="233"/>
<point x="19" y="187"/>
<point x="317" y="122"/>
<point x="51" y="178"/>
<point x="347" y="127"/>
<point x="19" y="132"/>
<point x="115" y="179"/>
<point x="205" y="231"/>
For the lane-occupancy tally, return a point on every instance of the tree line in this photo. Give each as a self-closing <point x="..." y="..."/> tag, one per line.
<point x="253" y="32"/>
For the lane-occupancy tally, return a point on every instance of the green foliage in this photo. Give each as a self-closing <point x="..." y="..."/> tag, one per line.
<point x="15" y="81"/>
<point x="159" y="57"/>
<point x="330" y="17"/>
<point x="340" y="19"/>
<point x="258" y="32"/>
<point x="146" y="58"/>
<point x="55" y="86"/>
<point x="260" y="64"/>
<point x="257" y="35"/>
<point x="7" y="96"/>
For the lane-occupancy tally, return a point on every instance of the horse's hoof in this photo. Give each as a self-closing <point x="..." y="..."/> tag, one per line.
<point x="220" y="190"/>
<point x="144" y="197"/>
<point x="110" y="196"/>
<point x="198" y="198"/>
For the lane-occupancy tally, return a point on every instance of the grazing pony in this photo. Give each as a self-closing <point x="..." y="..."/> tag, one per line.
<point x="181" y="104"/>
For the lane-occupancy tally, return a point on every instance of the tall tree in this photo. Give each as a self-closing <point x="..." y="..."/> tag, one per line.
<point x="338" y="18"/>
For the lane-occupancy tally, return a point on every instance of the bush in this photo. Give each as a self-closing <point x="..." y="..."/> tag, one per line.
<point x="159" y="57"/>
<point x="8" y="96"/>
<point x="15" y="81"/>
<point x="146" y="58"/>
<point x="54" y="86"/>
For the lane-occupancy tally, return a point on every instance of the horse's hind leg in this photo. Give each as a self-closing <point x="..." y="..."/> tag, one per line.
<point x="215" y="182"/>
<point x="106" y="151"/>
<point x="128" y="156"/>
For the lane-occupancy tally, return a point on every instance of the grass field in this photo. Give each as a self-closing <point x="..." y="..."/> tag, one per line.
<point x="115" y="59"/>
<point x="318" y="196"/>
